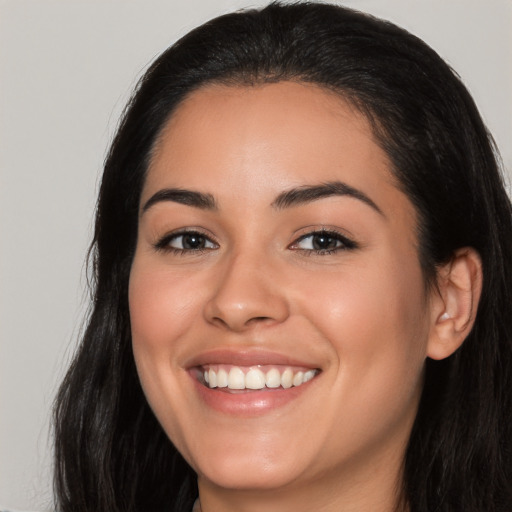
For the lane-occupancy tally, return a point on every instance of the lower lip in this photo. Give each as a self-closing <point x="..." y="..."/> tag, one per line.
<point x="249" y="402"/>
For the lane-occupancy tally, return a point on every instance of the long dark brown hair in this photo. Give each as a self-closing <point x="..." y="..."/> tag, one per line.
<point x="111" y="455"/>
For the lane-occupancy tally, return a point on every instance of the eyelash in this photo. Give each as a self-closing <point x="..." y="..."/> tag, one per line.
<point x="164" y="243"/>
<point x="343" y="243"/>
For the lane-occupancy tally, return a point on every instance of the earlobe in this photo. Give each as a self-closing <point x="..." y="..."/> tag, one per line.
<point x="455" y="304"/>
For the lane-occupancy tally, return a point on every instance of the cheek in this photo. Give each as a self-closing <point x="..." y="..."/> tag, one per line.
<point x="161" y="311"/>
<point x="376" y="319"/>
<point x="162" y="307"/>
<point x="367" y="300"/>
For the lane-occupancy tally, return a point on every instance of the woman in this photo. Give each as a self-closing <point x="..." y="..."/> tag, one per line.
<point x="302" y="297"/>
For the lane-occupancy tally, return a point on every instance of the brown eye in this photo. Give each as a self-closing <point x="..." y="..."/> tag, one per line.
<point x="186" y="241"/>
<point x="323" y="242"/>
<point x="192" y="241"/>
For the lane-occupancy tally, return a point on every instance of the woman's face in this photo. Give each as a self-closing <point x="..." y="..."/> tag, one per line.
<point x="273" y="248"/>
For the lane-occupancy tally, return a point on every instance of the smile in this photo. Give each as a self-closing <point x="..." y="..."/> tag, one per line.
<point x="230" y="377"/>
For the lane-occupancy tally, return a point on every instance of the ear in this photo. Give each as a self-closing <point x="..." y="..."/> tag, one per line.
<point x="454" y="305"/>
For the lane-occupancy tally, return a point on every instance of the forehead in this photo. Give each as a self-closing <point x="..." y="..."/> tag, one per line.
<point x="274" y="117"/>
<point x="266" y="138"/>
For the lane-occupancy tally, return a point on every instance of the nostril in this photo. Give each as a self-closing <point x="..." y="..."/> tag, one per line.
<point x="258" y="319"/>
<point x="251" y="321"/>
<point x="219" y="321"/>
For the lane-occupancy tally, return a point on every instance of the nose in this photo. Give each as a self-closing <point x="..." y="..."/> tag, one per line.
<point x="247" y="293"/>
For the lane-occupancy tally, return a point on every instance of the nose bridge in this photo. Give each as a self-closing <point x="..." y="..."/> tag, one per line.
<point x="247" y="292"/>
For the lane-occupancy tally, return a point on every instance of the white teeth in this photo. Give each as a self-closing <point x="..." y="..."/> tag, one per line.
<point x="273" y="378"/>
<point x="309" y="375"/>
<point x="255" y="377"/>
<point x="287" y="378"/>
<point x="212" y="379"/>
<point x="222" y="378"/>
<point x="298" y="379"/>
<point x="236" y="378"/>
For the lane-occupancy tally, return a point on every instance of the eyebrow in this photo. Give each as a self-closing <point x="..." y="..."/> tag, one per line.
<point x="310" y="193"/>
<point x="181" y="196"/>
<point x="287" y="199"/>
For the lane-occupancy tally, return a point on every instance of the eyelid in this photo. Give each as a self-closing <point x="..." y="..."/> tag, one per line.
<point x="347" y="243"/>
<point x="162" y="244"/>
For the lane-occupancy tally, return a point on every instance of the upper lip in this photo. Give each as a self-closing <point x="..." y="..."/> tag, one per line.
<point x="246" y="358"/>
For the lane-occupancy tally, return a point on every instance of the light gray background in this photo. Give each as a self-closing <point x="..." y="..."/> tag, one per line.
<point x="66" y="69"/>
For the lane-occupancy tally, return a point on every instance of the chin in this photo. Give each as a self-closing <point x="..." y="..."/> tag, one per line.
<point x="254" y="467"/>
<point x="248" y="474"/>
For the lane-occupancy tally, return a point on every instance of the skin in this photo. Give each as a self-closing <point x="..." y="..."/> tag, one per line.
<point x="361" y="315"/>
